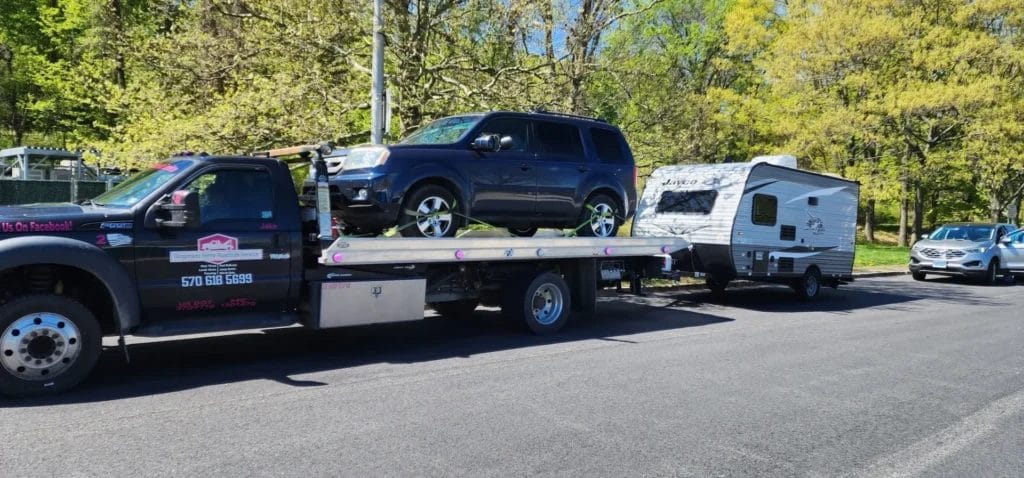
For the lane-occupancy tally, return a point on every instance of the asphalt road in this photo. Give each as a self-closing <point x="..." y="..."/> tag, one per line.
<point x="886" y="377"/>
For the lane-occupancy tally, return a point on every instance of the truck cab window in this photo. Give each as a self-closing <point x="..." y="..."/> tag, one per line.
<point x="234" y="195"/>
<point x="765" y="210"/>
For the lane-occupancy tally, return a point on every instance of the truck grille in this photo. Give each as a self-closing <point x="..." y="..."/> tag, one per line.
<point x="942" y="253"/>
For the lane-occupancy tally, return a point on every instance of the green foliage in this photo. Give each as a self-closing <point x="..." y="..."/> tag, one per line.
<point x="918" y="100"/>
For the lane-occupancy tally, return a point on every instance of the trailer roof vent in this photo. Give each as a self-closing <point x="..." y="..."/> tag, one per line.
<point x="784" y="160"/>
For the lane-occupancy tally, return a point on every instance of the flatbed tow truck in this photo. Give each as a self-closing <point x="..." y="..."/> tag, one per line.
<point x="217" y="243"/>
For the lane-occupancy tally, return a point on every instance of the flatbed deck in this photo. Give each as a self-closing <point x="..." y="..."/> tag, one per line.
<point x="375" y="251"/>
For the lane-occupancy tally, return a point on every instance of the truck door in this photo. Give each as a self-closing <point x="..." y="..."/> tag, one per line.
<point x="235" y="262"/>
<point x="1011" y="254"/>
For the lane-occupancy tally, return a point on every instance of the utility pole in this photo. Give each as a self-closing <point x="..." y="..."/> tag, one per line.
<point x="377" y="116"/>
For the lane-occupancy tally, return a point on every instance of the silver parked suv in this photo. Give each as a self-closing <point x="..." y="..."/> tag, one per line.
<point x="961" y="249"/>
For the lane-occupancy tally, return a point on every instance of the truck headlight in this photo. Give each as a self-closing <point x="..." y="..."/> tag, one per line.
<point x="368" y="157"/>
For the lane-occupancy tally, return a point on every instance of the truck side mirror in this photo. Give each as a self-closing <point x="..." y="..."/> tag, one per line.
<point x="488" y="142"/>
<point x="183" y="209"/>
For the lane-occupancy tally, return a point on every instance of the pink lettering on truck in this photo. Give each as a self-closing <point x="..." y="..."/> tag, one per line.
<point x="33" y="226"/>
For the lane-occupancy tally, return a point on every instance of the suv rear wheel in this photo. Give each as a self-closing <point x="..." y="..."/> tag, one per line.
<point x="429" y="211"/>
<point x="522" y="231"/>
<point x="600" y="217"/>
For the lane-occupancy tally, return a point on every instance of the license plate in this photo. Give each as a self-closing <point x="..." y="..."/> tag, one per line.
<point x="939" y="264"/>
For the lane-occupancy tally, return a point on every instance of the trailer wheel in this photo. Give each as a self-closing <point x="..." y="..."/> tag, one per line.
<point x="49" y="344"/>
<point x="456" y="309"/>
<point x="541" y="302"/>
<point x="808" y="286"/>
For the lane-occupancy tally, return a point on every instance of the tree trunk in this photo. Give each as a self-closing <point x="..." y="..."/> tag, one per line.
<point x="904" y="212"/>
<point x="918" y="211"/>
<point x="869" y="221"/>
<point x="995" y="207"/>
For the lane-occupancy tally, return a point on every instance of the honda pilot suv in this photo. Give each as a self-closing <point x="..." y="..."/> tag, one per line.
<point x="520" y="171"/>
<point x="962" y="249"/>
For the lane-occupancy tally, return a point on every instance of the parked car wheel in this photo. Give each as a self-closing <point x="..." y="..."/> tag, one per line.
<point x="522" y="232"/>
<point x="919" y="275"/>
<point x="992" y="273"/>
<point x="49" y="344"/>
<point x="429" y="211"/>
<point x="600" y="217"/>
<point x="808" y="286"/>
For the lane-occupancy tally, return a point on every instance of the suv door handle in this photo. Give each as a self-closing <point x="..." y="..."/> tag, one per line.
<point x="525" y="166"/>
<point x="583" y="168"/>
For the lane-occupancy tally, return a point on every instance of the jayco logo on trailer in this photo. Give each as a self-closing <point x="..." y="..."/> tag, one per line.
<point x="217" y="249"/>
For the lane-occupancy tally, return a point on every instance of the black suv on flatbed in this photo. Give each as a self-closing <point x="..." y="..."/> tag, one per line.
<point x="516" y="170"/>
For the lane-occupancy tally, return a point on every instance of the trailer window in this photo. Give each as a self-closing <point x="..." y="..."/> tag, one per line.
<point x="766" y="210"/>
<point x="687" y="202"/>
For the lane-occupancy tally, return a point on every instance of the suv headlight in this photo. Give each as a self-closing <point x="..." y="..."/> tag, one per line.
<point x="362" y="158"/>
<point x="976" y="250"/>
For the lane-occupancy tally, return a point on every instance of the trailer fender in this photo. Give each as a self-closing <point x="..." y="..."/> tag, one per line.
<point x="29" y="250"/>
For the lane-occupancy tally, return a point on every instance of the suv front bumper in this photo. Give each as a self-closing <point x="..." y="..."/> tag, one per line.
<point x="363" y="201"/>
<point x="969" y="265"/>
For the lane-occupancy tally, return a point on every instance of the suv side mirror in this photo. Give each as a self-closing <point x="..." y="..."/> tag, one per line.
<point x="924" y="236"/>
<point x="183" y="210"/>
<point x="1005" y="239"/>
<point x="493" y="143"/>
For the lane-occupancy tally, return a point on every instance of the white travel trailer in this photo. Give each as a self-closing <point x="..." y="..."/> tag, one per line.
<point x="764" y="220"/>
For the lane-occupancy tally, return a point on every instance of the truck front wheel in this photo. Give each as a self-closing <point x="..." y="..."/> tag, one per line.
<point x="541" y="302"/>
<point x="50" y="343"/>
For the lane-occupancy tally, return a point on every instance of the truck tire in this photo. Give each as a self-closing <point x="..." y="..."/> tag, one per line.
<point x="809" y="286"/>
<point x="429" y="211"/>
<point x="49" y="344"/>
<point x="599" y="217"/>
<point x="541" y="302"/>
<point x="456" y="309"/>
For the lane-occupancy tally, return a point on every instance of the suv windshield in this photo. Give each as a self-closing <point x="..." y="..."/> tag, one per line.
<point x="141" y="185"/>
<point x="442" y="131"/>
<point x="964" y="233"/>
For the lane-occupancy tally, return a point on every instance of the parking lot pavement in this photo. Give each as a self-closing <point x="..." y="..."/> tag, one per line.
<point x="885" y="377"/>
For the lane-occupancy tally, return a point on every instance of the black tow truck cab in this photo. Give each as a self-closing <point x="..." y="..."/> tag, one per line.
<point x="214" y="243"/>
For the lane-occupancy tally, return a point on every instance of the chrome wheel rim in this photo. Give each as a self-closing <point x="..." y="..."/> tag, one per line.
<point x="602" y="220"/>
<point x="547" y="304"/>
<point x="40" y="346"/>
<point x="434" y="217"/>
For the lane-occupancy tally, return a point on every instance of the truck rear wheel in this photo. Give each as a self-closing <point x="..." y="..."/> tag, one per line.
<point x="49" y="344"/>
<point x="541" y="302"/>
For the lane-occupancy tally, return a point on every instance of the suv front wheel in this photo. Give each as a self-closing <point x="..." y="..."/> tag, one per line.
<point x="599" y="218"/>
<point x="429" y="211"/>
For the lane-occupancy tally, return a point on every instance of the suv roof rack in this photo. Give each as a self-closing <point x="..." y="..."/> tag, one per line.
<point x="567" y="115"/>
<point x="323" y="148"/>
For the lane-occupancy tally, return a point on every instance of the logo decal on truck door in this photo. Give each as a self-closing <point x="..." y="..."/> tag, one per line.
<point x="217" y="249"/>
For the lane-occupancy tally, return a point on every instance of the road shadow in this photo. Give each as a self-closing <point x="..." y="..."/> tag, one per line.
<point x="176" y="365"/>
<point x="891" y="294"/>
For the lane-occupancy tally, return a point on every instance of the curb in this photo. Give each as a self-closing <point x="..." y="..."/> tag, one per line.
<point x="869" y="274"/>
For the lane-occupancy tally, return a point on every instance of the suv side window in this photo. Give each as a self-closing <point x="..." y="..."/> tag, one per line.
<point x="234" y="195"/>
<point x="608" y="146"/>
<point x="517" y="128"/>
<point x="558" y="139"/>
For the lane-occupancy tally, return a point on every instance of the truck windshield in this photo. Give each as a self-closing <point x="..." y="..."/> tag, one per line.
<point x="964" y="233"/>
<point x="442" y="131"/>
<point x="141" y="185"/>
